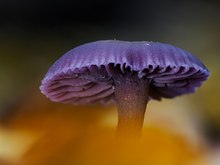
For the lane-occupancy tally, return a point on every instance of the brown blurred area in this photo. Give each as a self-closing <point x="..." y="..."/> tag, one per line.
<point x="33" y="130"/>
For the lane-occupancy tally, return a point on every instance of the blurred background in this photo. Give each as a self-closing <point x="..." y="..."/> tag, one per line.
<point x="33" y="130"/>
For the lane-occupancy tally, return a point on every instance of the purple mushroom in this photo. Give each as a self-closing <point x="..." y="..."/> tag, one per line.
<point x="127" y="73"/>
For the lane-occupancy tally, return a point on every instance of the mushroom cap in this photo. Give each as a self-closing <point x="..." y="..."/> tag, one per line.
<point x="84" y="74"/>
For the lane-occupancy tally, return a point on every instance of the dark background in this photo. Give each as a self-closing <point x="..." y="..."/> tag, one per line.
<point x="57" y="13"/>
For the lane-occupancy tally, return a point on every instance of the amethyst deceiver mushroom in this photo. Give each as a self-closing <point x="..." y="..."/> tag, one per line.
<point x="128" y="73"/>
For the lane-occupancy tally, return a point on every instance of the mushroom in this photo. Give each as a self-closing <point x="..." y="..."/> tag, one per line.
<point x="126" y="73"/>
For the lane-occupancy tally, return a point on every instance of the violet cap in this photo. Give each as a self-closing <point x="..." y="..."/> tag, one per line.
<point x="84" y="74"/>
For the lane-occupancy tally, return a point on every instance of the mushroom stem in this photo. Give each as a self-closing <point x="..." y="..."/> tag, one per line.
<point x="131" y="95"/>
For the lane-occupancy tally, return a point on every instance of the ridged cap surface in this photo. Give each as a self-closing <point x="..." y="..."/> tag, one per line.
<point x="84" y="74"/>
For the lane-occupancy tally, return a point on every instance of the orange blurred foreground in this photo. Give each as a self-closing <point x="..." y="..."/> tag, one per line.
<point x="44" y="133"/>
